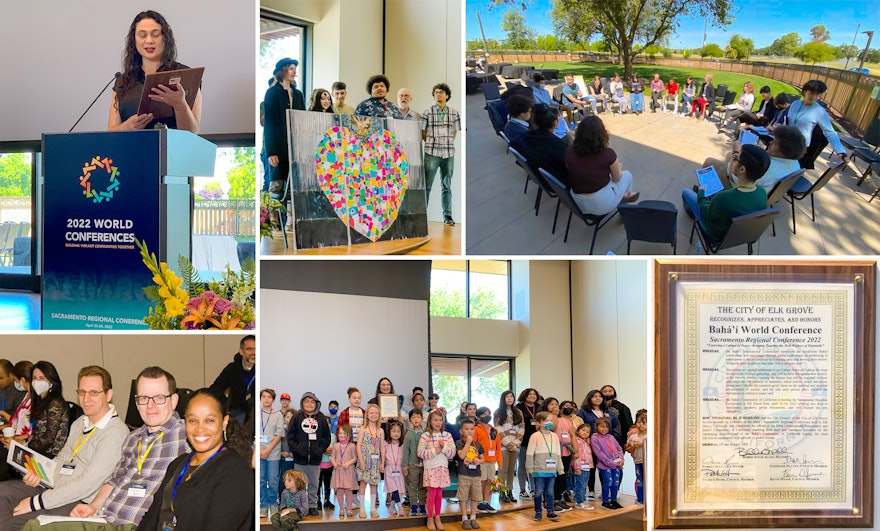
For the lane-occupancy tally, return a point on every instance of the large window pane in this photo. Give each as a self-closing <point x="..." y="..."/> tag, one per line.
<point x="15" y="213"/>
<point x="489" y="378"/>
<point x="448" y="288"/>
<point x="488" y="289"/>
<point x="449" y="380"/>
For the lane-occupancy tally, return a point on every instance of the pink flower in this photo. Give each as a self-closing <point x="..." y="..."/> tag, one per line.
<point x="221" y="305"/>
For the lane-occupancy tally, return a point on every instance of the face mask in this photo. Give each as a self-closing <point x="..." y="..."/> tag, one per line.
<point x="18" y="386"/>
<point x="41" y="386"/>
<point x="566" y="410"/>
<point x="548" y="425"/>
<point x="343" y="440"/>
<point x="333" y="410"/>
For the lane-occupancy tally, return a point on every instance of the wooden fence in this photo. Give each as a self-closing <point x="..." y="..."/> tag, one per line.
<point x="849" y="93"/>
<point x="234" y="217"/>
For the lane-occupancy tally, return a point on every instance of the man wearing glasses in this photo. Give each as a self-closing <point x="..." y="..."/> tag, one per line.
<point x="89" y="457"/>
<point x="146" y="454"/>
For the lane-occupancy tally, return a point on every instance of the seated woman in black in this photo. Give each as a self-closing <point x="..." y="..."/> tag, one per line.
<point x="150" y="48"/>
<point x="50" y="415"/>
<point x="542" y="148"/>
<point x="213" y="487"/>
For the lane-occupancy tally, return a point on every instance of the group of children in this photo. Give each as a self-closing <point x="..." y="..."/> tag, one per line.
<point x="415" y="460"/>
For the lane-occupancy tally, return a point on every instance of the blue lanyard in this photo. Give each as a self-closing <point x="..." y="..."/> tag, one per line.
<point x="182" y="472"/>
<point x="247" y="384"/>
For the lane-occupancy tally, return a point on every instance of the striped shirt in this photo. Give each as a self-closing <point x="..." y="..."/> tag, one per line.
<point x="120" y="508"/>
<point x="441" y="126"/>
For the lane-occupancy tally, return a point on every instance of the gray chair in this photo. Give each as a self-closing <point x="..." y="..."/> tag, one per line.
<point x="869" y="151"/>
<point x="490" y="92"/>
<point x="563" y="194"/>
<point x="743" y="230"/>
<point x="531" y="175"/>
<point x="781" y="188"/>
<point x="650" y="221"/>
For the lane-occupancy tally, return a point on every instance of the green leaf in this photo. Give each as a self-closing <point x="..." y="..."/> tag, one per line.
<point x="192" y="279"/>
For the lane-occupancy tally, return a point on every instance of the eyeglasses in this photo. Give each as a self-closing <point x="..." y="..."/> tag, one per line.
<point x="144" y="400"/>
<point x="92" y="394"/>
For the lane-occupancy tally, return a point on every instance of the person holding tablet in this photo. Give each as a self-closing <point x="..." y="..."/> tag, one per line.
<point x="150" y="48"/>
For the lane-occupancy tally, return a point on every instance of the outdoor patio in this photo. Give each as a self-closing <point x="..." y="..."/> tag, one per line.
<point x="661" y="151"/>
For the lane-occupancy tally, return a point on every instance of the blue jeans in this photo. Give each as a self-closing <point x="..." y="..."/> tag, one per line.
<point x="638" y="101"/>
<point x="543" y="490"/>
<point x="580" y="486"/>
<point x="610" y="483"/>
<point x="686" y="103"/>
<point x="640" y="483"/>
<point x="432" y="164"/>
<point x="268" y="483"/>
<point x="689" y="198"/>
<point x="525" y="479"/>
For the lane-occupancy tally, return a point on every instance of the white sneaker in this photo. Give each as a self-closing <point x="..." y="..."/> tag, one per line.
<point x="584" y="506"/>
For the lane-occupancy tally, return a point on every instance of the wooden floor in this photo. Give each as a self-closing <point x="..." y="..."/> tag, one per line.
<point x="519" y="515"/>
<point x="441" y="240"/>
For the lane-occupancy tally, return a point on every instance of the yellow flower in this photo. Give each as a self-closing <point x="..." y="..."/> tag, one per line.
<point x="173" y="308"/>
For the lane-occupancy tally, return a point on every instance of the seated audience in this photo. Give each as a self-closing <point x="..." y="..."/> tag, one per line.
<point x="765" y="113"/>
<point x="404" y="98"/>
<point x="656" y="92"/>
<point x="705" y="101"/>
<point x="146" y="453"/>
<point x="635" y="95"/>
<point x="597" y="90"/>
<point x="785" y="149"/>
<point x="671" y="94"/>
<point x="89" y="457"/>
<point x="742" y="106"/>
<point x="377" y="105"/>
<point x="542" y="95"/>
<point x="339" y="93"/>
<point x="520" y="109"/>
<point x="20" y="421"/>
<point x="576" y="98"/>
<point x="715" y="214"/>
<point x="616" y="89"/>
<point x="688" y="93"/>
<point x="212" y="487"/>
<point x="542" y="148"/>
<point x="10" y="396"/>
<point x="50" y="416"/>
<point x="320" y="101"/>
<point x="598" y="183"/>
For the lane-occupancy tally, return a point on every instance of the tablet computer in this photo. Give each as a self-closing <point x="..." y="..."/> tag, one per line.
<point x="188" y="78"/>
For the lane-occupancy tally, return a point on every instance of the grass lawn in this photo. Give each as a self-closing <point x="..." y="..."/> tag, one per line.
<point x="733" y="80"/>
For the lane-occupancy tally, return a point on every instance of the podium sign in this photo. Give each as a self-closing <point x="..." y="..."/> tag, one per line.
<point x="103" y="191"/>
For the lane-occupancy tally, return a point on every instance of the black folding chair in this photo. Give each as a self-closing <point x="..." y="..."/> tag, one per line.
<point x="803" y="188"/>
<point x="530" y="174"/>
<point x="650" y="221"/>
<point x="490" y="92"/>
<point x="563" y="193"/>
<point x="781" y="188"/>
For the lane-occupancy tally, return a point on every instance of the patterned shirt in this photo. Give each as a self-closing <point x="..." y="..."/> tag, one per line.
<point x="161" y="448"/>
<point x="374" y="107"/>
<point x="441" y="126"/>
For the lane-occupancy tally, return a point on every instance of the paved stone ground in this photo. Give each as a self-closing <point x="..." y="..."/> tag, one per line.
<point x="661" y="151"/>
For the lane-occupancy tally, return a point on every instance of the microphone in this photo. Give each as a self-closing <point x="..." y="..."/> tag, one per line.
<point x="115" y="77"/>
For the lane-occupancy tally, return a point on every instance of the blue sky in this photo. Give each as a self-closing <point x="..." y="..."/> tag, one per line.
<point x="762" y="21"/>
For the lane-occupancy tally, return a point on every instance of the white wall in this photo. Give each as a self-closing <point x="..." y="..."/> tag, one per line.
<point x="57" y="55"/>
<point x="484" y="337"/>
<point x="194" y="360"/>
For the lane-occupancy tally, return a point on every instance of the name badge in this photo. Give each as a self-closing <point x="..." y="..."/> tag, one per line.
<point x="564" y="435"/>
<point x="357" y="421"/>
<point x="533" y="422"/>
<point x="395" y="473"/>
<point x="512" y="431"/>
<point x="264" y="439"/>
<point x="288" y="459"/>
<point x="374" y="457"/>
<point x="491" y="453"/>
<point x="585" y="466"/>
<point x="550" y="463"/>
<point x="137" y="490"/>
<point x="313" y="436"/>
<point x="472" y="466"/>
<point x="67" y="470"/>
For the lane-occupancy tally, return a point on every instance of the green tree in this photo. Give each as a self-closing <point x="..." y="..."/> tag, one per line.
<point x="242" y="175"/>
<point x="740" y="48"/>
<point x="450" y="302"/>
<point x="847" y="51"/>
<point x="873" y="55"/>
<point x="491" y="387"/>
<point x="447" y="302"/>
<point x="452" y="390"/>
<point x="519" y="35"/>
<point x="786" y="46"/>
<point x="820" y="33"/>
<point x="815" y="52"/>
<point x="625" y="23"/>
<point x="550" y="43"/>
<point x="711" y="50"/>
<point x="15" y="175"/>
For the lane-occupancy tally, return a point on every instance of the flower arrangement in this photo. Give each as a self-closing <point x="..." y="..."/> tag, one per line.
<point x="268" y="221"/>
<point x="188" y="303"/>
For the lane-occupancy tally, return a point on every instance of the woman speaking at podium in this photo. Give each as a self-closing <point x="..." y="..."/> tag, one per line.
<point x="150" y="48"/>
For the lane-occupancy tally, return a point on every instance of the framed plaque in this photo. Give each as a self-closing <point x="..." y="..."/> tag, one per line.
<point x="765" y="381"/>
<point x="388" y="406"/>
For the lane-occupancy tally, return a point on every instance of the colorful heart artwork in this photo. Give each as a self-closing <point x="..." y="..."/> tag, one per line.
<point x="363" y="178"/>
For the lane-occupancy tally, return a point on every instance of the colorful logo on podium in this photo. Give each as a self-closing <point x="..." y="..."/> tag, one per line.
<point x="97" y="168"/>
